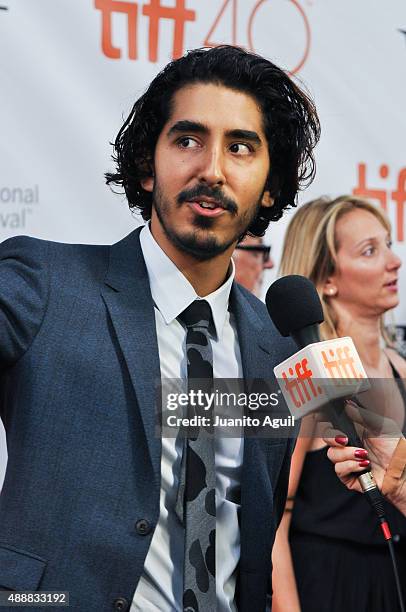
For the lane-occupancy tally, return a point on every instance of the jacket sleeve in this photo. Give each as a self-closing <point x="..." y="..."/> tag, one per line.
<point x="24" y="290"/>
<point x="281" y="490"/>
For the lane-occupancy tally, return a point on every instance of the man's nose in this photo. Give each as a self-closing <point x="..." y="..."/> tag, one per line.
<point x="268" y="265"/>
<point x="211" y="170"/>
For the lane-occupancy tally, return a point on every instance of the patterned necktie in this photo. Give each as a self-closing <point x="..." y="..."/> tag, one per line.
<point x="196" y="502"/>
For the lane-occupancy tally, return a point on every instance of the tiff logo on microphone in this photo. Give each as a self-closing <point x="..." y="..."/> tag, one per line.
<point x="299" y="384"/>
<point x="340" y="364"/>
<point x="339" y="368"/>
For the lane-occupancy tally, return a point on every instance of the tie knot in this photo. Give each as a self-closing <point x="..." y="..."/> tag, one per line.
<point x="198" y="314"/>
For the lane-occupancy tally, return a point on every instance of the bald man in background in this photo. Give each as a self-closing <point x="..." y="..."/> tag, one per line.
<point x="251" y="258"/>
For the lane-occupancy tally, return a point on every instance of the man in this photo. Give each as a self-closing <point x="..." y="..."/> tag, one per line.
<point x="251" y="259"/>
<point x="218" y="145"/>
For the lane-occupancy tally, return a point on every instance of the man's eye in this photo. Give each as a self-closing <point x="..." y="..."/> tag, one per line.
<point x="187" y="143"/>
<point x="240" y="148"/>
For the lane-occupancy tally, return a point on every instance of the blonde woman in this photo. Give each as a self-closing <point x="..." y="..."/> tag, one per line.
<point x="329" y="553"/>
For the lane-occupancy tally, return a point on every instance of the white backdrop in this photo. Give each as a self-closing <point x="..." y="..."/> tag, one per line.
<point x="70" y="71"/>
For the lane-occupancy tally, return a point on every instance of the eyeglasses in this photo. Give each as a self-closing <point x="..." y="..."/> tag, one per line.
<point x="256" y="248"/>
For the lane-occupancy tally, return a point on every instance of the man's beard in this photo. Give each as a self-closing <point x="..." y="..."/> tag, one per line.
<point x="202" y="248"/>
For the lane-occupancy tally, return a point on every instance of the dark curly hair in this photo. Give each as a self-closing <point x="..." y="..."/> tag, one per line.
<point x="290" y="122"/>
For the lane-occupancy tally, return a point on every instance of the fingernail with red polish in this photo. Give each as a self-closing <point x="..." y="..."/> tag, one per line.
<point x="364" y="463"/>
<point x="341" y="440"/>
<point x="360" y="453"/>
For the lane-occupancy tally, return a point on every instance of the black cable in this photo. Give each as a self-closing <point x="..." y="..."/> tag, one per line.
<point x="375" y="498"/>
<point x="396" y="572"/>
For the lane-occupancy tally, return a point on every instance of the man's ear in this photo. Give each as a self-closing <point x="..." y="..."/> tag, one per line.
<point x="330" y="288"/>
<point x="267" y="200"/>
<point x="148" y="183"/>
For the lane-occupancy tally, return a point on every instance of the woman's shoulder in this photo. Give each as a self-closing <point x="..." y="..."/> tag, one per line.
<point x="398" y="362"/>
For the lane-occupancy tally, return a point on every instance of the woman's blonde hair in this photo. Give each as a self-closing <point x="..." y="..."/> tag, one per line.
<point x="310" y="246"/>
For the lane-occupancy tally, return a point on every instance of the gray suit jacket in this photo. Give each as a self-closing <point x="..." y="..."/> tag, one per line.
<point x="79" y="362"/>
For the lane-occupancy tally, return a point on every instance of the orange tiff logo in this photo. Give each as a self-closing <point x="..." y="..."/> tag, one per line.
<point x="230" y="12"/>
<point x="339" y="366"/>
<point x="155" y="11"/>
<point x="397" y="195"/>
<point x="299" y="384"/>
<point x="339" y="363"/>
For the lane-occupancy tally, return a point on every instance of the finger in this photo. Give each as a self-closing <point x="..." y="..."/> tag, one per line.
<point x="344" y="469"/>
<point x="343" y="454"/>
<point x="334" y="437"/>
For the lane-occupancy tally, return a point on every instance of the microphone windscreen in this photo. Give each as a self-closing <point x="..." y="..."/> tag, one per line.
<point x="293" y="303"/>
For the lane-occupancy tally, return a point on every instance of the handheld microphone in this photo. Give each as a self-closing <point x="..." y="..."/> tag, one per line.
<point x="321" y="374"/>
<point x="295" y="308"/>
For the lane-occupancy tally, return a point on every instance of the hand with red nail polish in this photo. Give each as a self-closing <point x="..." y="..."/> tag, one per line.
<point x="381" y="436"/>
<point x="349" y="461"/>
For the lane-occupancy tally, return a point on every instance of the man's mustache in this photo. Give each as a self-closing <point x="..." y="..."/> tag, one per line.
<point x="190" y="195"/>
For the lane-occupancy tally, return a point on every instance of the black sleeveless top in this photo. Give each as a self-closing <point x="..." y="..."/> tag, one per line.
<point x="325" y="507"/>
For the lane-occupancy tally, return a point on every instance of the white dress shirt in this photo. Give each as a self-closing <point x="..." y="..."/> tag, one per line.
<point x="160" y="587"/>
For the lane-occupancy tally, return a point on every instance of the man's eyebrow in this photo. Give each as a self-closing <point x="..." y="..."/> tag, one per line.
<point x="185" y="126"/>
<point x="245" y="135"/>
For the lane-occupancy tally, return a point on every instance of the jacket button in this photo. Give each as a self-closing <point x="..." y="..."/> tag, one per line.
<point x="120" y="604"/>
<point x="142" y="527"/>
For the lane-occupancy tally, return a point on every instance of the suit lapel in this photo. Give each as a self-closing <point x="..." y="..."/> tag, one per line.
<point x="259" y="354"/>
<point x="127" y="296"/>
<point x="253" y="336"/>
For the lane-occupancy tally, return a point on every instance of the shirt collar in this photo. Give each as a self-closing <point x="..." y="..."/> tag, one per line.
<point x="170" y="289"/>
